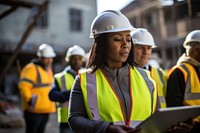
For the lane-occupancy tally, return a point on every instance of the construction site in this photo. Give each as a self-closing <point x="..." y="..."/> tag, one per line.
<point x="26" y="24"/>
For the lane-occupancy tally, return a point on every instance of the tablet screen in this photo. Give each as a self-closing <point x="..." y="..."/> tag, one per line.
<point x="163" y="119"/>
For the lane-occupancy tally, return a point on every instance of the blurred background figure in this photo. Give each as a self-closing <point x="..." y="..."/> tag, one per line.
<point x="183" y="84"/>
<point x="63" y="83"/>
<point x="86" y="60"/>
<point x="154" y="61"/>
<point x="143" y="44"/>
<point x="36" y="80"/>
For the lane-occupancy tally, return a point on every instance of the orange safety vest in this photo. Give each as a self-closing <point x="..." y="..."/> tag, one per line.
<point x="35" y="81"/>
<point x="192" y="84"/>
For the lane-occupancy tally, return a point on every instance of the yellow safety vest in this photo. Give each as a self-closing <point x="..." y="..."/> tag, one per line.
<point x="160" y="80"/>
<point x="102" y="103"/>
<point x="65" y="81"/>
<point x="192" y="84"/>
<point x="34" y="80"/>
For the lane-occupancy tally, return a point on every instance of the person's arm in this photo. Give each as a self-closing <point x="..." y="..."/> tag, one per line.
<point x="78" y="118"/>
<point x="26" y="82"/>
<point x="175" y="89"/>
<point x="57" y="95"/>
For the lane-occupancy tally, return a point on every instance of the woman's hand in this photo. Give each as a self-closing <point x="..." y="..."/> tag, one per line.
<point x="183" y="127"/>
<point x="121" y="129"/>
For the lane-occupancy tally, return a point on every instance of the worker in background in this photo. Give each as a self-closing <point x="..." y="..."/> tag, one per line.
<point x="109" y="96"/>
<point x="63" y="83"/>
<point x="143" y="44"/>
<point x="35" y="83"/>
<point x="183" y="84"/>
<point x="155" y="61"/>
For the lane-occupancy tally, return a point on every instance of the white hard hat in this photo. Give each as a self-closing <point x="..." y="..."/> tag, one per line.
<point x="143" y="37"/>
<point x="46" y="51"/>
<point x="75" y="50"/>
<point x="110" y="21"/>
<point x="193" y="36"/>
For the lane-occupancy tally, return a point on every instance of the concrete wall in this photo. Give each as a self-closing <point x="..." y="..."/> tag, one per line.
<point x="57" y="33"/>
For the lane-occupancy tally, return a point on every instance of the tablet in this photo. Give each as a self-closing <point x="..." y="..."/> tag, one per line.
<point x="163" y="119"/>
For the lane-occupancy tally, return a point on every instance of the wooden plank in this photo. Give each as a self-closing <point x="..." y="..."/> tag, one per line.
<point x="19" y="3"/>
<point x="7" y="12"/>
<point x="23" y="39"/>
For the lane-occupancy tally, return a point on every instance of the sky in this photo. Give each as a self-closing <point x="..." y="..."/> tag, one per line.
<point x="111" y="4"/>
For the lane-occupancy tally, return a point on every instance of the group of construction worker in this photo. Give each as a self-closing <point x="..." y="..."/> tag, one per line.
<point x="116" y="89"/>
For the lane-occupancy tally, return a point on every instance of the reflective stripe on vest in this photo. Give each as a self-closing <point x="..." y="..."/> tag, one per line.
<point x="158" y="76"/>
<point x="132" y="123"/>
<point x="38" y="88"/>
<point x="192" y="85"/>
<point x="39" y="83"/>
<point x="95" y="86"/>
<point x="63" y="84"/>
<point x="65" y="81"/>
<point x="150" y="86"/>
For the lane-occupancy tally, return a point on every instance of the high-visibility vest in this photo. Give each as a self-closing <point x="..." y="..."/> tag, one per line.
<point x="65" y="81"/>
<point x="160" y="80"/>
<point x="192" y="84"/>
<point x="35" y="81"/>
<point x="102" y="103"/>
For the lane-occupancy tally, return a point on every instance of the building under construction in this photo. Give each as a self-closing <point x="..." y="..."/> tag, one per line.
<point x="169" y="21"/>
<point x="26" y="24"/>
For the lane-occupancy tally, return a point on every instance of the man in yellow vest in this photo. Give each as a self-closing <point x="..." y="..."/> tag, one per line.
<point x="183" y="85"/>
<point x="63" y="84"/>
<point x="143" y="44"/>
<point x="35" y="83"/>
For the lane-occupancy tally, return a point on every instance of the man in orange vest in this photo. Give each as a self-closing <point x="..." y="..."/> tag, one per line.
<point x="35" y="83"/>
<point x="183" y="85"/>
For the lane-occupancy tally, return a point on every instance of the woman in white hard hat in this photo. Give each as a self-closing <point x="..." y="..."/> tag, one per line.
<point x="112" y="95"/>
